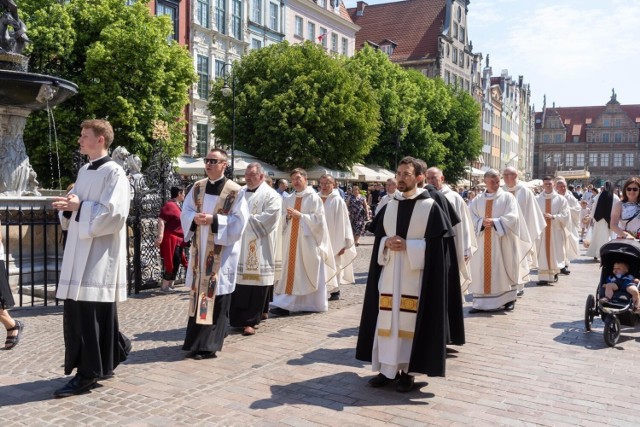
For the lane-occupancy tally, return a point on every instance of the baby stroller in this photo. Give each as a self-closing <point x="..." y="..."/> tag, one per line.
<point x="619" y="310"/>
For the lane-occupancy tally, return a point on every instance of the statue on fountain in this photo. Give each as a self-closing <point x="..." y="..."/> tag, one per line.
<point x="11" y="41"/>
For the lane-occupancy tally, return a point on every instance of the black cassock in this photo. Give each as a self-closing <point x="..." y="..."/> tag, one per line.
<point x="428" y="352"/>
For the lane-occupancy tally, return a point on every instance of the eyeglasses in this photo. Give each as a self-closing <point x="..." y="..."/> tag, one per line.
<point x="632" y="189"/>
<point x="214" y="161"/>
<point x="404" y="174"/>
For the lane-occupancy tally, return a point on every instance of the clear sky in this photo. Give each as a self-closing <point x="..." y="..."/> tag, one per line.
<point x="574" y="51"/>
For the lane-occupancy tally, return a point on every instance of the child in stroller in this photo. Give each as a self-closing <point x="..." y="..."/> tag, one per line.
<point x="620" y="280"/>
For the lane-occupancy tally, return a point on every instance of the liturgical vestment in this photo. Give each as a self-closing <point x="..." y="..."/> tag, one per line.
<point x="552" y="243"/>
<point x="341" y="237"/>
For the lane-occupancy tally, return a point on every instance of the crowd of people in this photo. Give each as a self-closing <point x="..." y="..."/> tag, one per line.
<point x="256" y="251"/>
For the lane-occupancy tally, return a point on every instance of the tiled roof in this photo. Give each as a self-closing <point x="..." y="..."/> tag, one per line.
<point x="578" y="118"/>
<point x="413" y="24"/>
<point x="344" y="13"/>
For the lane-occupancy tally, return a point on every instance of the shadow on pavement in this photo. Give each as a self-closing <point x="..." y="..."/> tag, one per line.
<point x="340" y="390"/>
<point x="34" y="391"/>
<point x="339" y="356"/>
<point x="574" y="334"/>
<point x="170" y="335"/>
<point x="344" y="333"/>
<point x="170" y="353"/>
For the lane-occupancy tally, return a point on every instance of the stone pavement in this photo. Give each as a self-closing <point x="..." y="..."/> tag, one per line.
<point x="532" y="366"/>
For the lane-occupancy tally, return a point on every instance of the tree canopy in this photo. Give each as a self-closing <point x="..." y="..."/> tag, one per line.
<point x="296" y="106"/>
<point x="127" y="69"/>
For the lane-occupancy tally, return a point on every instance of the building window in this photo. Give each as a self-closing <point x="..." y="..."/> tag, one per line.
<point x="617" y="160"/>
<point x="546" y="138"/>
<point x="202" y="13"/>
<point x="220" y="70"/>
<point x="606" y="123"/>
<point x="618" y="122"/>
<point x="617" y="137"/>
<point x="580" y="159"/>
<point x="448" y="50"/>
<point x="576" y="138"/>
<point x="557" y="138"/>
<point x="455" y="30"/>
<point x="605" y="137"/>
<point x="568" y="159"/>
<point x="447" y="77"/>
<point x="273" y="16"/>
<point x="311" y="31"/>
<point x="322" y="3"/>
<point x="589" y="137"/>
<point x="462" y="34"/>
<point x="323" y="37"/>
<point x="299" y="24"/>
<point x="334" y="42"/>
<point x="256" y="44"/>
<point x="256" y="11"/>
<point x="454" y="55"/>
<point x="593" y="159"/>
<point x="604" y="159"/>
<point x="202" y="66"/>
<point x="461" y="62"/>
<point x="345" y="46"/>
<point x="387" y="48"/>
<point x="628" y="160"/>
<point x="236" y="19"/>
<point x="202" y="139"/>
<point x="221" y="13"/>
<point x="170" y="9"/>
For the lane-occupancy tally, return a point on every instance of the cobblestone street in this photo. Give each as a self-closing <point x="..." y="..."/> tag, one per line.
<point x="532" y="366"/>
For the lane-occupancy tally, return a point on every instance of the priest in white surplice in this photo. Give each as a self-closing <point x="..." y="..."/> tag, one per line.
<point x="391" y="187"/>
<point x="533" y="217"/>
<point x="258" y="261"/>
<point x="573" y="238"/>
<point x="552" y="243"/>
<point x="340" y="233"/>
<point x="308" y="265"/>
<point x="93" y="277"/>
<point x="214" y="216"/>
<point x="503" y="244"/>
<point x="465" y="238"/>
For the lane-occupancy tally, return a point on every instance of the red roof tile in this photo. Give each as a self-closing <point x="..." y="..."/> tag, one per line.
<point x="344" y="13"/>
<point x="413" y="24"/>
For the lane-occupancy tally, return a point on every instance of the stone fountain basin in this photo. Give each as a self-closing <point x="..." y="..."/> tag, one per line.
<point x="30" y="91"/>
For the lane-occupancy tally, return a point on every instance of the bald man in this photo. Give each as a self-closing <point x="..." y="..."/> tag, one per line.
<point x="465" y="239"/>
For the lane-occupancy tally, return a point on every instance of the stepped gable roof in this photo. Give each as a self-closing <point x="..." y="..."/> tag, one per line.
<point x="577" y="119"/>
<point x="413" y="24"/>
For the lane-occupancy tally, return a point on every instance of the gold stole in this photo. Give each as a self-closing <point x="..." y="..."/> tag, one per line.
<point x="293" y="248"/>
<point x="203" y="287"/>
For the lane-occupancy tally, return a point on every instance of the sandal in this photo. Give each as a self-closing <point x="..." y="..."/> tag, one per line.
<point x="14" y="340"/>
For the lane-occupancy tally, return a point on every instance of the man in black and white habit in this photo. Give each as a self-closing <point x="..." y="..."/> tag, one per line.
<point x="258" y="261"/>
<point x="94" y="270"/>
<point x="215" y="212"/>
<point x="403" y="328"/>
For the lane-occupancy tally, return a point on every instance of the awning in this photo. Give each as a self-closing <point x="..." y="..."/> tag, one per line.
<point x="574" y="174"/>
<point x="534" y="183"/>
<point x="474" y="171"/>
<point x="317" y="171"/>
<point x="186" y="165"/>
<point x="363" y="173"/>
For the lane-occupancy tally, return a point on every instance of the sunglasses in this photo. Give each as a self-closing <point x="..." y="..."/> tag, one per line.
<point x="632" y="189"/>
<point x="214" y="161"/>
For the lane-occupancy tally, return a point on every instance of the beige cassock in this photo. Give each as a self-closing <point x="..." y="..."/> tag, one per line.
<point x="465" y="238"/>
<point x="552" y="244"/>
<point x="496" y="268"/>
<point x="341" y="236"/>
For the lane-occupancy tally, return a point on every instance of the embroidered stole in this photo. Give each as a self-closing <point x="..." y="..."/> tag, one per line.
<point x="397" y="272"/>
<point x="203" y="288"/>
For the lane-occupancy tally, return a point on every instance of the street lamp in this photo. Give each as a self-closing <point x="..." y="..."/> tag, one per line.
<point x="400" y="133"/>
<point x="226" y="91"/>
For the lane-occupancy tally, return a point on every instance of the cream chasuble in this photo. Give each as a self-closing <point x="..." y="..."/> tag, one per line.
<point x="496" y="268"/>
<point x="465" y="238"/>
<point x="258" y="260"/>
<point x="400" y="287"/>
<point x="341" y="236"/>
<point x="552" y="243"/>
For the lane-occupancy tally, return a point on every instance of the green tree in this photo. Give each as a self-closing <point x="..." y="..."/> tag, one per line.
<point x="296" y="106"/>
<point x="464" y="139"/>
<point x="127" y="70"/>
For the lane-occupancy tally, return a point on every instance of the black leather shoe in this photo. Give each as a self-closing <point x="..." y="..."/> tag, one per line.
<point x="510" y="306"/>
<point x="520" y="293"/>
<point x="379" y="381"/>
<point x="565" y="271"/>
<point x="405" y="383"/>
<point x="555" y="278"/>
<point x="334" y="296"/>
<point x="542" y="283"/>
<point x="77" y="385"/>
<point x="279" y="311"/>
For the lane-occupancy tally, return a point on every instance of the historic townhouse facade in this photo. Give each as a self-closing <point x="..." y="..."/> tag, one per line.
<point x="588" y="144"/>
<point x="326" y="22"/>
<point x="430" y="36"/>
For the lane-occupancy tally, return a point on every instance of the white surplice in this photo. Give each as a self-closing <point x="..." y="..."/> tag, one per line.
<point x="229" y="236"/>
<point x="309" y="257"/>
<point x="600" y="231"/>
<point x="384" y="200"/>
<point x="552" y="243"/>
<point x="465" y="238"/>
<point x="573" y="238"/>
<point x="341" y="237"/>
<point x="94" y="266"/>
<point x="509" y="244"/>
<point x="258" y="260"/>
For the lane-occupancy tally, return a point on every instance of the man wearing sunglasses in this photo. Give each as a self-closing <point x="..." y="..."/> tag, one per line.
<point x="215" y="212"/>
<point x="551" y="246"/>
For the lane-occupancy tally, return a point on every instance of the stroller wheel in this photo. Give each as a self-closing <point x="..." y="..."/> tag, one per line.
<point x="611" y="330"/>
<point x="590" y="312"/>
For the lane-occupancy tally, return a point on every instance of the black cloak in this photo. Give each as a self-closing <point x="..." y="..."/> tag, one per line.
<point x="428" y="353"/>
